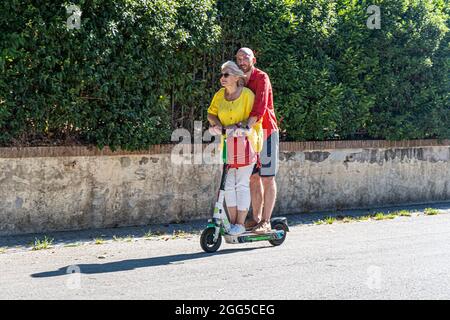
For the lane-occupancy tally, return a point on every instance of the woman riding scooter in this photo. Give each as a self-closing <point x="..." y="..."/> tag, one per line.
<point x="230" y="108"/>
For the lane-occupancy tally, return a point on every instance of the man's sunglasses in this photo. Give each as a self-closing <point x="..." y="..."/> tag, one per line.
<point x="226" y="75"/>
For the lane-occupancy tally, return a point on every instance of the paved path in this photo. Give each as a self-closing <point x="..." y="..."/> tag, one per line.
<point x="403" y="258"/>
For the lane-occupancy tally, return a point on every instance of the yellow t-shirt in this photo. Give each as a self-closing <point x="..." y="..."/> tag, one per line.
<point x="232" y="112"/>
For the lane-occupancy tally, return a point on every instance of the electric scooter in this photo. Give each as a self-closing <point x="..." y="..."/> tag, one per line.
<point x="219" y="225"/>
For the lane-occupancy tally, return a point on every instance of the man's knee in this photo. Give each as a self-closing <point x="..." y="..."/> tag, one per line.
<point x="268" y="181"/>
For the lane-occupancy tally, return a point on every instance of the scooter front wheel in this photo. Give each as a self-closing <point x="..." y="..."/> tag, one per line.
<point x="207" y="240"/>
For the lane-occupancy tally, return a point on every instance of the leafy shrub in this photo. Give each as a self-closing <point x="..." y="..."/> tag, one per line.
<point x="136" y="69"/>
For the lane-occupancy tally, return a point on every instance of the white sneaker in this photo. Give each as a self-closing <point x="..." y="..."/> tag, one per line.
<point x="232" y="226"/>
<point x="237" y="229"/>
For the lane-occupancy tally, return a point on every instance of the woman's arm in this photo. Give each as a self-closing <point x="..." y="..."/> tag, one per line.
<point x="214" y="120"/>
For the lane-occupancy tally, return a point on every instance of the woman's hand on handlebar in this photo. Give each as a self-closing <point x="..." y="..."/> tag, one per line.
<point x="241" y="132"/>
<point x="229" y="130"/>
<point x="215" y="130"/>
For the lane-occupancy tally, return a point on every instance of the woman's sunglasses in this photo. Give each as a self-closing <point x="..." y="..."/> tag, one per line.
<point x="226" y="75"/>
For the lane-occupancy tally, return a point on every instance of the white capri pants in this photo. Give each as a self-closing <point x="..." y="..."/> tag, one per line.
<point x="237" y="187"/>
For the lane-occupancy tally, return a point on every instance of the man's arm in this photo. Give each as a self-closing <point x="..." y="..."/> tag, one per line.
<point x="251" y="121"/>
<point x="261" y="100"/>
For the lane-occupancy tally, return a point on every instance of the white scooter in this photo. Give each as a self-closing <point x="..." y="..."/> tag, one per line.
<point x="219" y="225"/>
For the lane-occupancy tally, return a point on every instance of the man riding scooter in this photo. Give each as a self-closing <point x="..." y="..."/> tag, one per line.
<point x="263" y="187"/>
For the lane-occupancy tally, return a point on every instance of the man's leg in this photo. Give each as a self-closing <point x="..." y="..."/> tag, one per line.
<point x="256" y="191"/>
<point x="268" y="171"/>
<point x="270" y="195"/>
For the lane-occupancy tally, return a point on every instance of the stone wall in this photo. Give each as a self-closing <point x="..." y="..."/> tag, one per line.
<point x="46" y="189"/>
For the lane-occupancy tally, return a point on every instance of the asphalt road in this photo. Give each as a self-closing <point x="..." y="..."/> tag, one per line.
<point x="404" y="258"/>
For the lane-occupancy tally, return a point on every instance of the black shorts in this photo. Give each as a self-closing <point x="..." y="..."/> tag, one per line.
<point x="269" y="157"/>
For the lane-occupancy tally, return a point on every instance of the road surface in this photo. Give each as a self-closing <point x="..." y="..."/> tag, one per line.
<point x="403" y="258"/>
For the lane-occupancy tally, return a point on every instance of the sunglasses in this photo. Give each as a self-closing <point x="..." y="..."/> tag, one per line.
<point x="226" y="75"/>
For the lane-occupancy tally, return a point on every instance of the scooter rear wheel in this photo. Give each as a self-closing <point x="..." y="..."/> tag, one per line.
<point x="279" y="226"/>
<point x="207" y="240"/>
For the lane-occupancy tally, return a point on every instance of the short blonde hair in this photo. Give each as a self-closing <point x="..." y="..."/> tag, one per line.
<point x="233" y="69"/>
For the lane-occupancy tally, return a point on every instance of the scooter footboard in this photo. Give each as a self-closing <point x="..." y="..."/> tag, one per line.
<point x="274" y="235"/>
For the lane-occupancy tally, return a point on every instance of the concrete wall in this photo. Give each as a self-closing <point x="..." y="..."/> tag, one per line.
<point x="59" y="188"/>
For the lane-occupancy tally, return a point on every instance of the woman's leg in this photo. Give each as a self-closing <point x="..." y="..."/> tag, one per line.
<point x="243" y="192"/>
<point x="233" y="214"/>
<point x="241" y="215"/>
<point x="230" y="195"/>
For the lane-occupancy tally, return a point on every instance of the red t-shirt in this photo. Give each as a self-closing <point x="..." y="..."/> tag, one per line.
<point x="259" y="83"/>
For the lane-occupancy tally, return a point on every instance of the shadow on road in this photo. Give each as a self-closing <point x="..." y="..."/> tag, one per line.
<point x="126" y="265"/>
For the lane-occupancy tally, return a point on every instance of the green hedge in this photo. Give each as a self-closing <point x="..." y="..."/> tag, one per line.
<point x="137" y="69"/>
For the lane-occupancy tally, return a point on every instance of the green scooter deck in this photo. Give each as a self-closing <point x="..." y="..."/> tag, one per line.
<point x="253" y="237"/>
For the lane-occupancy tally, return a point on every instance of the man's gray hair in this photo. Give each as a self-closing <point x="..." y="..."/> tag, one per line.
<point x="233" y="69"/>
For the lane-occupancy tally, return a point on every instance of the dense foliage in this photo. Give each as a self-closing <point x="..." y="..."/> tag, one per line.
<point x="137" y="69"/>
